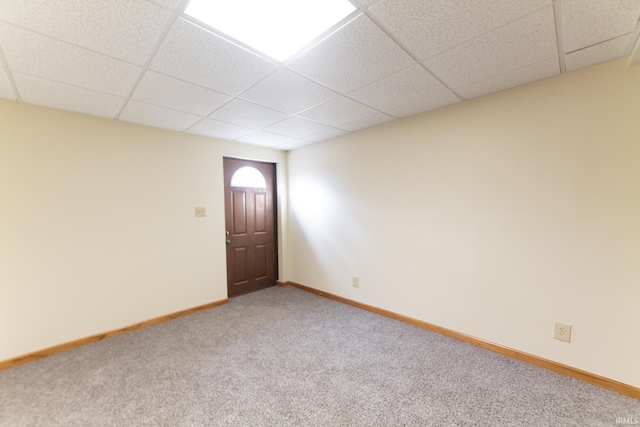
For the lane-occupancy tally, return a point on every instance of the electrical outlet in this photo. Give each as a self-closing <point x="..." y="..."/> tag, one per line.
<point x="562" y="332"/>
<point x="201" y="211"/>
<point x="355" y="282"/>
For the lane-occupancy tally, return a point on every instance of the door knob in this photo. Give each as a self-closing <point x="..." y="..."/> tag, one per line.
<point x="228" y="242"/>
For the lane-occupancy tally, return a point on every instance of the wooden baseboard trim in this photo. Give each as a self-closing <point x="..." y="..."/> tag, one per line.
<point x="279" y="283"/>
<point x="588" y="377"/>
<point x="30" y="357"/>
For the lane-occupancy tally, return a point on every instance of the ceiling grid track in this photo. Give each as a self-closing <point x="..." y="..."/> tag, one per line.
<point x="557" y="14"/>
<point x="172" y="19"/>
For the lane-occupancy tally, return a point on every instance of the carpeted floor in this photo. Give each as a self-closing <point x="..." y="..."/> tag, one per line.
<point x="285" y="357"/>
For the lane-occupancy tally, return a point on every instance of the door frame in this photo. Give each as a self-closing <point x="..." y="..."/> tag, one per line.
<point x="274" y="198"/>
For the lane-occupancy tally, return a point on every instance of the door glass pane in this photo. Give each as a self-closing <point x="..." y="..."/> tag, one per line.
<point x="248" y="177"/>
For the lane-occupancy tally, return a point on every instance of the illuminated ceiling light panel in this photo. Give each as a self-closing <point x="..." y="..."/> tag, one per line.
<point x="278" y="28"/>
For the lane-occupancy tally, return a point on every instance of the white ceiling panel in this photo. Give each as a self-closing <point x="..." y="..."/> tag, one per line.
<point x="599" y="53"/>
<point x="265" y="139"/>
<point x="217" y="129"/>
<point x="327" y="134"/>
<point x="165" y="91"/>
<point x="151" y="115"/>
<point x="367" y="122"/>
<point x="404" y="87"/>
<point x="438" y="101"/>
<point x="430" y="27"/>
<point x="6" y="91"/>
<point x="338" y="111"/>
<point x="40" y="56"/>
<point x="36" y="90"/>
<point x="357" y="54"/>
<point x="292" y="145"/>
<point x="133" y="26"/>
<point x="588" y="22"/>
<point x="287" y="91"/>
<point x="196" y="55"/>
<point x="519" y="77"/>
<point x="525" y="42"/>
<point x="243" y="113"/>
<point x="296" y="127"/>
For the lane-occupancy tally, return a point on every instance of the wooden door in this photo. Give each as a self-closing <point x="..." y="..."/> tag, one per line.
<point x="250" y="216"/>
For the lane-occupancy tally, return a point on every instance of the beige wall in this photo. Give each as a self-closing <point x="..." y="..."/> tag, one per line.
<point x="97" y="225"/>
<point x="494" y="218"/>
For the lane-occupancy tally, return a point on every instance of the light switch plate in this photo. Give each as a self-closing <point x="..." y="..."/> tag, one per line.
<point x="201" y="211"/>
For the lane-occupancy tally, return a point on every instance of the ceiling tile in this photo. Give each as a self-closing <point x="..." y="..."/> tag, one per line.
<point x="6" y="91"/>
<point x="246" y="114"/>
<point x="165" y="91"/>
<point x="438" y="101"/>
<point x="519" y="77"/>
<point x="588" y="22"/>
<point x="217" y="129"/>
<point x="525" y="42"/>
<point x="287" y="91"/>
<point x="367" y="122"/>
<point x="40" y="56"/>
<point x="430" y="27"/>
<point x="196" y="55"/>
<point x="296" y="127"/>
<point x="36" y="90"/>
<point x="602" y="52"/>
<point x="127" y="30"/>
<point x="265" y="139"/>
<point x="151" y="115"/>
<point x="337" y="112"/>
<point x="357" y="54"/>
<point x="327" y="134"/>
<point x="292" y="145"/>
<point x="404" y="87"/>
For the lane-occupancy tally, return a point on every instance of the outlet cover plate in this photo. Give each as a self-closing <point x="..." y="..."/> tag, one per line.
<point x="562" y="332"/>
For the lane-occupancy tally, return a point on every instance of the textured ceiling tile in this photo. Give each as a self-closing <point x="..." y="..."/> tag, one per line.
<point x="425" y="105"/>
<point x="127" y="30"/>
<point x="430" y="27"/>
<point x="357" y="54"/>
<point x="151" y="115"/>
<point x="165" y="91"/>
<point x="296" y="127"/>
<point x="599" y="53"/>
<point x="519" y="77"/>
<point x="6" y="91"/>
<point x="196" y="55"/>
<point x="265" y="139"/>
<point x="327" y="134"/>
<point x="404" y="87"/>
<point x="525" y="42"/>
<point x="40" y="56"/>
<point x="367" y="122"/>
<point x="216" y="129"/>
<point x="292" y="145"/>
<point x="35" y="90"/>
<point x="337" y="112"/>
<point x="287" y="91"/>
<point x="246" y="114"/>
<point x="587" y="22"/>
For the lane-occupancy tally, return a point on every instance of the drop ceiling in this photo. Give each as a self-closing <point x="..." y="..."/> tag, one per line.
<point x="146" y="62"/>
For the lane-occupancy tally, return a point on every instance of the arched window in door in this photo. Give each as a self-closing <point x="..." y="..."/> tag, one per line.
<point x="248" y="177"/>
